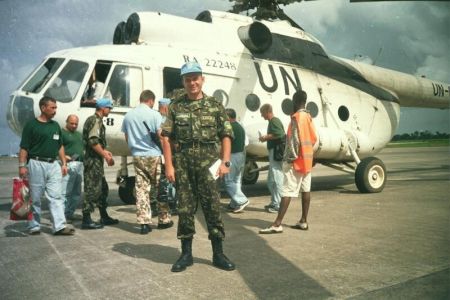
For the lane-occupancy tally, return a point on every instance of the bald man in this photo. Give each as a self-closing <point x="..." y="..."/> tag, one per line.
<point x="71" y="184"/>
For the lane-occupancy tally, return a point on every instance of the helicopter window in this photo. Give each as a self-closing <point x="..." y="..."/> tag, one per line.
<point x="252" y="102"/>
<point x="343" y="113"/>
<point x="222" y="96"/>
<point x="313" y="109"/>
<point x="65" y="87"/>
<point x="125" y="84"/>
<point x="43" y="75"/>
<point x="287" y="106"/>
<point x="96" y="83"/>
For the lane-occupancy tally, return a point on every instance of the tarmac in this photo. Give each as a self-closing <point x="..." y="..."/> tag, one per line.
<point x="389" y="245"/>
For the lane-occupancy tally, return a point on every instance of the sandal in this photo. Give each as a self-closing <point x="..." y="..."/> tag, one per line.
<point x="65" y="231"/>
<point x="272" y="229"/>
<point x="301" y="226"/>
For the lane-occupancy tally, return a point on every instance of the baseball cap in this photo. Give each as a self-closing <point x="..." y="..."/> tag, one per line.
<point x="164" y="101"/>
<point x="103" y="102"/>
<point x="191" y="67"/>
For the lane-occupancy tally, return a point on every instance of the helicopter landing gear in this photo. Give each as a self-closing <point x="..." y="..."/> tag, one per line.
<point x="251" y="173"/>
<point x="126" y="190"/>
<point x="370" y="175"/>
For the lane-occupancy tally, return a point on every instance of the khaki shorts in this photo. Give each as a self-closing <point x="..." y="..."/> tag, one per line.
<point x="294" y="182"/>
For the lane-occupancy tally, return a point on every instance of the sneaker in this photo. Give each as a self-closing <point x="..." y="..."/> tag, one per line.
<point x="272" y="229"/>
<point x="34" y="231"/>
<point x="230" y="208"/>
<point x="65" y="231"/>
<point x="272" y="210"/>
<point x="240" y="208"/>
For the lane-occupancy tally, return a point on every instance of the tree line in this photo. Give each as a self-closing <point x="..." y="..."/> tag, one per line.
<point x="421" y="135"/>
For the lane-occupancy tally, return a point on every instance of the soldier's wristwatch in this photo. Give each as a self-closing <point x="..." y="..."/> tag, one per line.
<point x="227" y="164"/>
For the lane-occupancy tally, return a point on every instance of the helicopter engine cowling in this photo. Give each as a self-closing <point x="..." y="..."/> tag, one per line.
<point x="119" y="34"/>
<point x="256" y="37"/>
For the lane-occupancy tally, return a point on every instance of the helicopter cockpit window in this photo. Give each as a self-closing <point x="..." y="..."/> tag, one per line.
<point x="65" y="86"/>
<point x="125" y="84"/>
<point x="43" y="75"/>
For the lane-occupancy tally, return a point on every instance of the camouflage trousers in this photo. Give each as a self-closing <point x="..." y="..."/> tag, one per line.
<point x="95" y="186"/>
<point x="147" y="171"/>
<point x="195" y="184"/>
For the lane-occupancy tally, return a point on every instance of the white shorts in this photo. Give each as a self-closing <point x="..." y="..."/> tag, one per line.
<point x="294" y="182"/>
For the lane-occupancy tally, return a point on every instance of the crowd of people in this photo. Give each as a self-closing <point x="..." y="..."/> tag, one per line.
<point x="177" y="145"/>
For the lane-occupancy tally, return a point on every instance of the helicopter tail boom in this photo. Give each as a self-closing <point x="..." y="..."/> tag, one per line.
<point x="411" y="91"/>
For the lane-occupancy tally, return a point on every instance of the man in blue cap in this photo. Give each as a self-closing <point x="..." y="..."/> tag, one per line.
<point x="163" y="107"/>
<point x="198" y="125"/>
<point x="95" y="186"/>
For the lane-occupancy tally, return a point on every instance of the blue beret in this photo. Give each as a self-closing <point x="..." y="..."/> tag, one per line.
<point x="190" y="67"/>
<point x="104" y="102"/>
<point x="164" y="101"/>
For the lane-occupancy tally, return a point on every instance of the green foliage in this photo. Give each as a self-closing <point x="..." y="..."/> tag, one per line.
<point x="420" y="135"/>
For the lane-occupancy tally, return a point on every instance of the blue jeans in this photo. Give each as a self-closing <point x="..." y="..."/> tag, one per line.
<point x="71" y="187"/>
<point x="275" y="181"/>
<point x="45" y="178"/>
<point x="233" y="180"/>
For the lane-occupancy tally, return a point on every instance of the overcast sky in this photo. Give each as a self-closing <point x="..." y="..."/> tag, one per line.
<point x="414" y="38"/>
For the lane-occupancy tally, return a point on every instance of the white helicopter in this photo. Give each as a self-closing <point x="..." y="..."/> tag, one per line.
<point x="247" y="63"/>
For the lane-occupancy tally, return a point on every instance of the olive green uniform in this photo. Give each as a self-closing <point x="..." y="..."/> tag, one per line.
<point x="197" y="127"/>
<point x="95" y="186"/>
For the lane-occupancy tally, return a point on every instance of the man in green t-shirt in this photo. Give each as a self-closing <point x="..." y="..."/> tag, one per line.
<point x="71" y="184"/>
<point x="275" y="132"/>
<point x="39" y="146"/>
<point x="233" y="179"/>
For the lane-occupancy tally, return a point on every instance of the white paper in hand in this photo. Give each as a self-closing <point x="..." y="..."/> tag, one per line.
<point x="214" y="168"/>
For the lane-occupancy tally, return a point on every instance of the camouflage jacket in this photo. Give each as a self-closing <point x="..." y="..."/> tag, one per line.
<point x="202" y="120"/>
<point x="93" y="134"/>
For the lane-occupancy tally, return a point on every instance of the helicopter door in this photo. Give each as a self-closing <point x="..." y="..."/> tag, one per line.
<point x="124" y="85"/>
<point x="96" y="83"/>
<point x="172" y="82"/>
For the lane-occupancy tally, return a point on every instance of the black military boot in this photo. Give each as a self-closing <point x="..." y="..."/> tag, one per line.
<point x="105" y="219"/>
<point x="87" y="222"/>
<point x="219" y="259"/>
<point x="185" y="259"/>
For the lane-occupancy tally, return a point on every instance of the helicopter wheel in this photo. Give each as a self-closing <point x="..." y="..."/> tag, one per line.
<point x="250" y="177"/>
<point x="126" y="192"/>
<point x="370" y="175"/>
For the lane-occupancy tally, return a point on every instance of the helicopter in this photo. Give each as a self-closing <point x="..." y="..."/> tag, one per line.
<point x="248" y="61"/>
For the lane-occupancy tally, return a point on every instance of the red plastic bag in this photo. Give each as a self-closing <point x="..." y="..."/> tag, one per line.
<point x="21" y="203"/>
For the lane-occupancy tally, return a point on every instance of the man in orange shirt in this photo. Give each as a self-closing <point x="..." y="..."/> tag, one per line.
<point x="297" y="164"/>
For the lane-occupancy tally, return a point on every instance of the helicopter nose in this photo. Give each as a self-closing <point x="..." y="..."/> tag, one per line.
<point x="20" y="111"/>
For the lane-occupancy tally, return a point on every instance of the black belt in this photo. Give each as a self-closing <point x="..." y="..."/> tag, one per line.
<point x="77" y="159"/>
<point x="46" y="159"/>
<point x="196" y="145"/>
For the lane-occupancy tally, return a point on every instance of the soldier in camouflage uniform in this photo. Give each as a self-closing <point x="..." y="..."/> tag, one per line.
<point x="95" y="185"/>
<point x="197" y="124"/>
